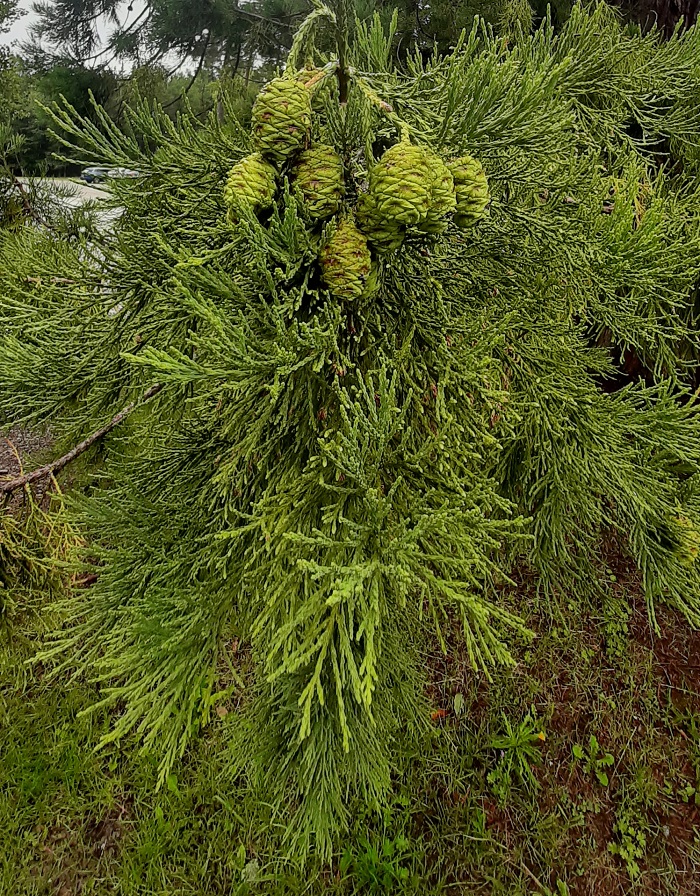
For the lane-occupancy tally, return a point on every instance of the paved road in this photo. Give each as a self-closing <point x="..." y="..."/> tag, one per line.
<point x="75" y="192"/>
<point x="72" y="193"/>
<point x="83" y="192"/>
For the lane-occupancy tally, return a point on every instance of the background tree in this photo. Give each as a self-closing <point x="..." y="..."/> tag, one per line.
<point x="234" y="37"/>
<point x="8" y="86"/>
<point x="43" y="86"/>
<point x="8" y="12"/>
<point x="223" y="36"/>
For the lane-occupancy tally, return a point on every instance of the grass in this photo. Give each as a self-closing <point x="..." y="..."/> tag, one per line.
<point x="576" y="772"/>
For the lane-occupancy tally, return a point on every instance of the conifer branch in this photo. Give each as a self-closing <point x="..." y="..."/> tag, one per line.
<point x="12" y="485"/>
<point x="303" y="39"/>
<point x="326" y="72"/>
<point x="346" y="521"/>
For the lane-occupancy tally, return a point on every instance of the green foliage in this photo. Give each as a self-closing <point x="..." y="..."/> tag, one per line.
<point x="11" y="90"/>
<point x="30" y="203"/>
<point x="338" y="484"/>
<point x="28" y="85"/>
<point x="31" y="88"/>
<point x="35" y="543"/>
<point x="377" y="869"/>
<point x="517" y="749"/>
<point x="629" y="845"/>
<point x="595" y="760"/>
<point x="81" y="818"/>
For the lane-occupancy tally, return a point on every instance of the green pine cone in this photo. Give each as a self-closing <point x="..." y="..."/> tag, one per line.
<point x="433" y="225"/>
<point x="401" y="185"/>
<point x="385" y="236"/>
<point x="346" y="261"/>
<point x="386" y="239"/>
<point x="319" y="176"/>
<point x="442" y="198"/>
<point x="251" y="183"/>
<point x="471" y="188"/>
<point x="282" y="118"/>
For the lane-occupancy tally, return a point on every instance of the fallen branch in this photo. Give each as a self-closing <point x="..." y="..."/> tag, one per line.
<point x="55" y="466"/>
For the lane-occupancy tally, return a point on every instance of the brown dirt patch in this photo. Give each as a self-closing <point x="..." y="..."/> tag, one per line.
<point x="676" y="652"/>
<point x="70" y="861"/>
<point x="17" y="446"/>
<point x="17" y="449"/>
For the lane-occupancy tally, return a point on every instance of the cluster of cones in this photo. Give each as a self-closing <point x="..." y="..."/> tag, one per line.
<point x="411" y="189"/>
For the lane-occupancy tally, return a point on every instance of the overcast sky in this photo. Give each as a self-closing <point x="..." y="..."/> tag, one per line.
<point x="20" y="29"/>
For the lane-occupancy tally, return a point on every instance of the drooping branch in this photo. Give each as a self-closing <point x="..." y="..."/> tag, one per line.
<point x="11" y="485"/>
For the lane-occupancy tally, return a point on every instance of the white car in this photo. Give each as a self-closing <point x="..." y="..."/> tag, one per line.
<point x="118" y="173"/>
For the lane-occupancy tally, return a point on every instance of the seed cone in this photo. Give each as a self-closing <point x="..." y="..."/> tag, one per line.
<point x="251" y="183"/>
<point x="346" y="261"/>
<point x="442" y="197"/>
<point x="282" y="118"/>
<point x="410" y="186"/>
<point x="471" y="188"/>
<point x="385" y="236"/>
<point x="400" y="186"/>
<point x="319" y="176"/>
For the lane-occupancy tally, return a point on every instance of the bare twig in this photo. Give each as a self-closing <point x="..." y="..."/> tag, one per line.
<point x="29" y="209"/>
<point x="200" y="65"/>
<point x="55" y="466"/>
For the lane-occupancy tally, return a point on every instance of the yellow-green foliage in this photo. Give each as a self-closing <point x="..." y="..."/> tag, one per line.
<point x="351" y="449"/>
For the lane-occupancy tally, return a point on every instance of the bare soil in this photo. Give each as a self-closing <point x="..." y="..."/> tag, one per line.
<point x="643" y="706"/>
<point x="18" y="446"/>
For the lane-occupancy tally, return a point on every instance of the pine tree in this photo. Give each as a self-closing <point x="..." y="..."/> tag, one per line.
<point x="349" y="418"/>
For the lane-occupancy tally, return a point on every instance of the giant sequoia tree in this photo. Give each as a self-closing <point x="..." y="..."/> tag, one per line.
<point x="357" y="395"/>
